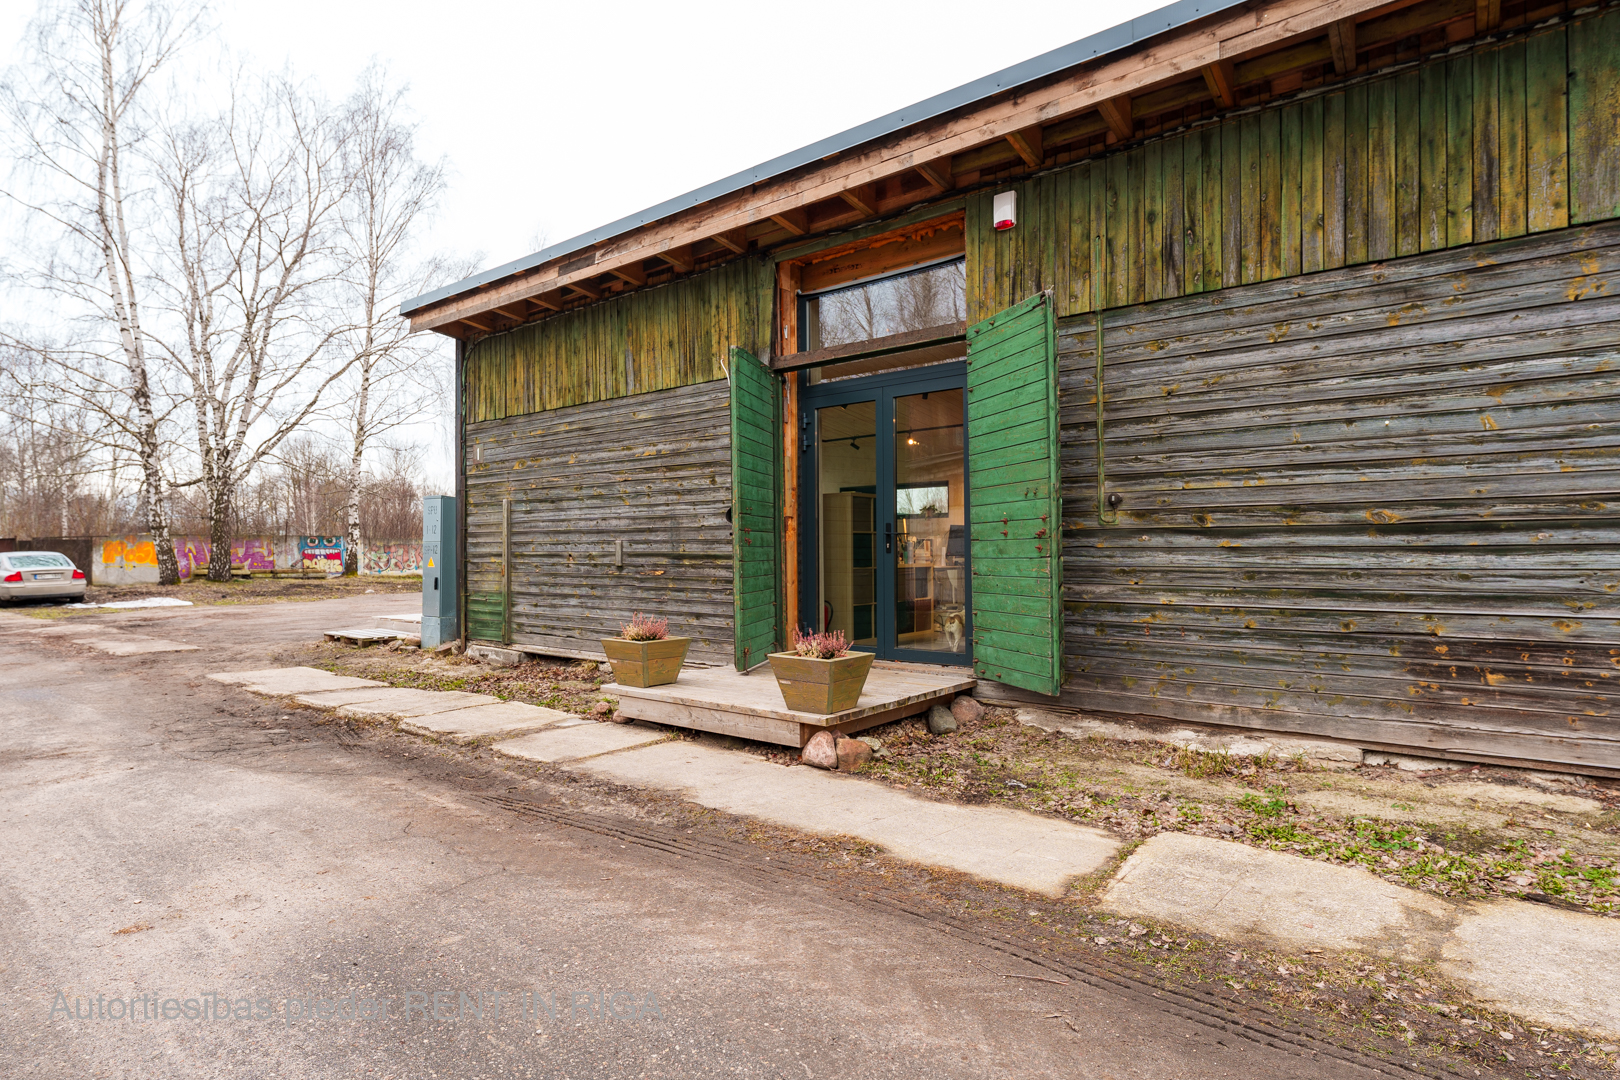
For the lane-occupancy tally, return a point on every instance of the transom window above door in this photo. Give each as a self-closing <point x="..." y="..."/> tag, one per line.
<point x="914" y="300"/>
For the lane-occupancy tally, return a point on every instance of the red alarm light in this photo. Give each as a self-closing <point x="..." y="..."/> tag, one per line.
<point x="1004" y="210"/>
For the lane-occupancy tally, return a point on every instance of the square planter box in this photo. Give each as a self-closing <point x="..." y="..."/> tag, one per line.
<point x="646" y="663"/>
<point x="821" y="686"/>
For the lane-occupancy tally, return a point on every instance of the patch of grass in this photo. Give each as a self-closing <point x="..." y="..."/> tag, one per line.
<point x="1274" y="807"/>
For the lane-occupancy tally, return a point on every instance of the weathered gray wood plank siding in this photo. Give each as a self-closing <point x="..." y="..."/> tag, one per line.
<point x="1377" y="504"/>
<point x="652" y="471"/>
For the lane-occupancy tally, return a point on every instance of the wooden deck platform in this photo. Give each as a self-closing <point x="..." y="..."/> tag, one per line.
<point x="751" y="707"/>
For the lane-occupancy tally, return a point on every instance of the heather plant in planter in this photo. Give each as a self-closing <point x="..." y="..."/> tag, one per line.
<point x="820" y="674"/>
<point x="644" y="654"/>
<point x="645" y="628"/>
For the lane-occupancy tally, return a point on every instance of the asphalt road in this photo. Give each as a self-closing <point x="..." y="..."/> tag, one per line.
<point x="254" y="857"/>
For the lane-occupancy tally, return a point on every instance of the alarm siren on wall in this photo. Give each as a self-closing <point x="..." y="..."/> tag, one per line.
<point x="1004" y="210"/>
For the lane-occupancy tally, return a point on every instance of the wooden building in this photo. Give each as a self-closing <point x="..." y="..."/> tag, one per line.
<point x="1289" y="398"/>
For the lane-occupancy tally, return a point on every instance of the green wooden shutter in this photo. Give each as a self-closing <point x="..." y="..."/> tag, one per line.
<point x="1013" y="477"/>
<point x="756" y="470"/>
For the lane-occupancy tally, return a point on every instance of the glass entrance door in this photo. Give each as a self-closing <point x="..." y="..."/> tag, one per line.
<point x="884" y="554"/>
<point x="927" y="506"/>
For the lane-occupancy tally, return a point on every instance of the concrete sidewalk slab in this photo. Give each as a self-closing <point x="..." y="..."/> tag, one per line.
<point x="134" y="645"/>
<point x="398" y="702"/>
<point x="1549" y="965"/>
<point x="1009" y="846"/>
<point x="1514" y="795"/>
<point x="572" y="742"/>
<point x="502" y="720"/>
<point x="1542" y="963"/>
<point x="1241" y="892"/>
<point x="291" y="680"/>
<point x="409" y="621"/>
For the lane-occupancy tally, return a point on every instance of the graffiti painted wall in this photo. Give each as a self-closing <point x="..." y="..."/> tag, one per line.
<point x="252" y="552"/>
<point x="132" y="560"/>
<point x="391" y="557"/>
<point x="123" y="560"/>
<point x="321" y="553"/>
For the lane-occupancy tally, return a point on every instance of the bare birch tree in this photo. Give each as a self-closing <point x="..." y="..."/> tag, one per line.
<point x="392" y="380"/>
<point x="75" y="113"/>
<point x="253" y="252"/>
<point x="47" y="450"/>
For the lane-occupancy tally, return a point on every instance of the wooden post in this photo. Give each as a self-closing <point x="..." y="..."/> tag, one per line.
<point x="787" y="343"/>
<point x="460" y="580"/>
<point x="1105" y="515"/>
<point x="506" y="571"/>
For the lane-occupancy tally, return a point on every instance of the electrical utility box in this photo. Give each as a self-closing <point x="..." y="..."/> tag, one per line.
<point x="439" y="562"/>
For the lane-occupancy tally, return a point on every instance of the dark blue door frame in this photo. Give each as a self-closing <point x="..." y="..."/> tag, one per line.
<point x="882" y="389"/>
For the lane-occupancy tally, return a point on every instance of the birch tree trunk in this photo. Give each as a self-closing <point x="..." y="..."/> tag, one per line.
<point x="351" y="552"/>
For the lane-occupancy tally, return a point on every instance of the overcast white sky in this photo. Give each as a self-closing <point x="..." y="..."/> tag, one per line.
<point x="557" y="118"/>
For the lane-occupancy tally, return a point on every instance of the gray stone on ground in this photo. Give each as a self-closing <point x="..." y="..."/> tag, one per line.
<point x="573" y="742"/>
<point x="1408" y="763"/>
<point x="401" y="703"/>
<point x="1240" y="892"/>
<point x="502" y="720"/>
<point x="1551" y="966"/>
<point x="852" y="754"/>
<point x="941" y="721"/>
<point x="821" y="751"/>
<point x="291" y="680"/>
<point x="966" y="709"/>
<point x="496" y="656"/>
<point x="134" y="645"/>
<point x="996" y="843"/>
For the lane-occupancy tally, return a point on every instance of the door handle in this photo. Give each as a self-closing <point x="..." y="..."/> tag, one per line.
<point x="888" y="538"/>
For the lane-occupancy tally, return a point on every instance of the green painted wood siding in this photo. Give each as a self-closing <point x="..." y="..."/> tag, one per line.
<point x="650" y="471"/>
<point x="756" y="484"/>
<point x="1502" y="141"/>
<point x="1013" y="477"/>
<point x="1380" y="507"/>
<point x="651" y="339"/>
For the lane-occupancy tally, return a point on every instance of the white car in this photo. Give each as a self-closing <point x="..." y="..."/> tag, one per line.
<point x="39" y="575"/>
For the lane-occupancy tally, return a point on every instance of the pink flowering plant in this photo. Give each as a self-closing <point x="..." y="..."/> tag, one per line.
<point x="828" y="646"/>
<point x="645" y="628"/>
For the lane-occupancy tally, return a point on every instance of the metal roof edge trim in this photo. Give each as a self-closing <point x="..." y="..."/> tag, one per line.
<point x="1124" y="35"/>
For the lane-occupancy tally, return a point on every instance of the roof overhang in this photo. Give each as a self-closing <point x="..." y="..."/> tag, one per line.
<point x="1092" y="75"/>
